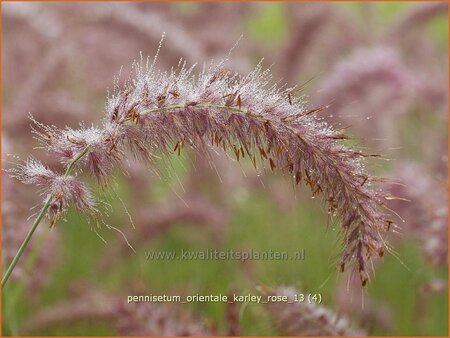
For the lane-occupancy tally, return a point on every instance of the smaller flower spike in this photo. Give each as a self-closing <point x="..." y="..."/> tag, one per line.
<point x="70" y="191"/>
<point x="33" y="172"/>
<point x="62" y="190"/>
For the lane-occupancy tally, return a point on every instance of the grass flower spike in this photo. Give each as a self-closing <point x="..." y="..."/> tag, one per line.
<point x="157" y="114"/>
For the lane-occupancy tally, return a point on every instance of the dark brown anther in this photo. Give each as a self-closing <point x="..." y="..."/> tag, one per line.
<point x="339" y="137"/>
<point x="112" y="148"/>
<point x="53" y="221"/>
<point x="308" y="179"/>
<point x="317" y="191"/>
<point x="161" y="100"/>
<point x="314" y="111"/>
<point x="178" y="146"/>
<point x="389" y="223"/>
<point x="365" y="180"/>
<point x="263" y="153"/>
<point x="278" y="150"/>
<point x="239" y="102"/>
<point x="217" y="75"/>
<point x="133" y="115"/>
<point x="56" y="208"/>
<point x="291" y="167"/>
<point x="49" y="138"/>
<point x="272" y="164"/>
<point x="191" y="104"/>
<point x="115" y="114"/>
<point x="229" y="99"/>
<point x="236" y="152"/>
<point x="216" y="139"/>
<point x="298" y="177"/>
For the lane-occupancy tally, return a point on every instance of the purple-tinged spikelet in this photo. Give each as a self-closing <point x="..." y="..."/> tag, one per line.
<point x="62" y="190"/>
<point x="160" y="113"/>
<point x="34" y="172"/>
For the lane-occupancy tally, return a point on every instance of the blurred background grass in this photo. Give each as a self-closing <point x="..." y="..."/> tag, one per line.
<point x="256" y="223"/>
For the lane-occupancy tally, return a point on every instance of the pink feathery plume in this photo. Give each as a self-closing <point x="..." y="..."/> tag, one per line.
<point x="160" y="113"/>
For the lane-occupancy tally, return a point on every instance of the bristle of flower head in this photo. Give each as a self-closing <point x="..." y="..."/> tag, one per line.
<point x="34" y="172"/>
<point x="67" y="191"/>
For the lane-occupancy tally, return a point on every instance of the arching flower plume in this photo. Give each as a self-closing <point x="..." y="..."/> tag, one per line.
<point x="157" y="114"/>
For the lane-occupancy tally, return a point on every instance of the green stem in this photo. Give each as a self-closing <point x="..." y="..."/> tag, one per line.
<point x="38" y="220"/>
<point x="27" y="239"/>
<point x="199" y="105"/>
